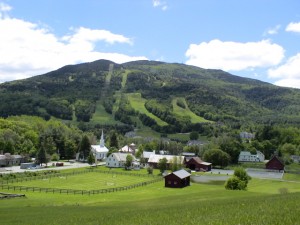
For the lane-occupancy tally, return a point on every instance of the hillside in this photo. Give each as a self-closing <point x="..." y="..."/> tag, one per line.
<point x="166" y="97"/>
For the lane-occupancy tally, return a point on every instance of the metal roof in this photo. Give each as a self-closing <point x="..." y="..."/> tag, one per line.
<point x="182" y="174"/>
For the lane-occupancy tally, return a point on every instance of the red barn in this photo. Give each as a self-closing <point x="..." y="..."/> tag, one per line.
<point x="195" y="163"/>
<point x="275" y="164"/>
<point x="178" y="179"/>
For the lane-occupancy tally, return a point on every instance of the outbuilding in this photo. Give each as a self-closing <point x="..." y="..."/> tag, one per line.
<point x="275" y="164"/>
<point x="178" y="179"/>
<point x="195" y="163"/>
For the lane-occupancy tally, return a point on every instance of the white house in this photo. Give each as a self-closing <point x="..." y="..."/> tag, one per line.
<point x="118" y="159"/>
<point x="246" y="156"/>
<point x="100" y="151"/>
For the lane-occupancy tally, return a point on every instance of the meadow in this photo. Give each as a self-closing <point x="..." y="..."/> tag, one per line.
<point x="265" y="202"/>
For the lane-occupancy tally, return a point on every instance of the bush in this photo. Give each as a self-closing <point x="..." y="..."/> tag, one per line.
<point x="234" y="183"/>
<point x="150" y="170"/>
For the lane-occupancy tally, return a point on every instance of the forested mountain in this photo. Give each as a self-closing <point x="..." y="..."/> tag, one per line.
<point x="166" y="97"/>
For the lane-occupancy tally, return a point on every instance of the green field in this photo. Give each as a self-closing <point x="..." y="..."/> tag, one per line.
<point x="86" y="181"/>
<point x="101" y="116"/>
<point x="186" y="112"/>
<point x="138" y="103"/>
<point x="263" y="203"/>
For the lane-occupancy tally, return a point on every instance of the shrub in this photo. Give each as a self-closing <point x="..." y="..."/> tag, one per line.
<point x="150" y="170"/>
<point x="234" y="183"/>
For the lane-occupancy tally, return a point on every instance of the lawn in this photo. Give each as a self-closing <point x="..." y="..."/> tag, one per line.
<point x="263" y="203"/>
<point x="86" y="181"/>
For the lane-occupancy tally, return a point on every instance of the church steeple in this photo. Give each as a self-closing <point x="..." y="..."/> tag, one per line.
<point x="102" y="140"/>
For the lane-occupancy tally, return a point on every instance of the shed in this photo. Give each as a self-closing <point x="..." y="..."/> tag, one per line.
<point x="195" y="163"/>
<point x="178" y="179"/>
<point x="275" y="164"/>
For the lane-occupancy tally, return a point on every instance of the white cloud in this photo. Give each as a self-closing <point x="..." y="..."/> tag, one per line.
<point x="290" y="69"/>
<point x="288" y="73"/>
<point x="293" y="27"/>
<point x="293" y="83"/>
<point x="234" y="56"/>
<point x="273" y="30"/>
<point x="27" y="49"/>
<point x="4" y="8"/>
<point x="162" y="4"/>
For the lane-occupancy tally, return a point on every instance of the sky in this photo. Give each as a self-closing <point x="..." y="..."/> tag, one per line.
<point x="258" y="39"/>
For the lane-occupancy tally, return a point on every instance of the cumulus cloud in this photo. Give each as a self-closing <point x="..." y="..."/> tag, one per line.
<point x="161" y="4"/>
<point x="273" y="30"/>
<point x="234" y="56"/>
<point x="27" y="49"/>
<point x="293" y="27"/>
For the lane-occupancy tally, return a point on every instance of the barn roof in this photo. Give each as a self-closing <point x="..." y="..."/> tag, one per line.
<point x="182" y="174"/>
<point x="275" y="158"/>
<point x="199" y="161"/>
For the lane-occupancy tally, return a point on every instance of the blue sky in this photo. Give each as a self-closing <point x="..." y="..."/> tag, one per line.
<point x="257" y="39"/>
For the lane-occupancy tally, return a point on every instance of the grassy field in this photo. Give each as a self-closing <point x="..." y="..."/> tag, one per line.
<point x="138" y="103"/>
<point x="263" y="203"/>
<point x="186" y="112"/>
<point x="86" y="181"/>
<point x="101" y="116"/>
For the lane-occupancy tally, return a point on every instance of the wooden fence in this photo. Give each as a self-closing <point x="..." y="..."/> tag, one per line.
<point x="5" y="185"/>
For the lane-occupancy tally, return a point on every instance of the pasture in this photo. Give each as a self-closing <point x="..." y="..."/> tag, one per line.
<point x="265" y="202"/>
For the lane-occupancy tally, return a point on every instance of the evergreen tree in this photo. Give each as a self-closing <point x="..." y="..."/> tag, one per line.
<point x="114" y="140"/>
<point x="84" y="147"/>
<point x="91" y="158"/>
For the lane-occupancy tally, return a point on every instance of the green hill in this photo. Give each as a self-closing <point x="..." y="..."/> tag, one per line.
<point x="165" y="97"/>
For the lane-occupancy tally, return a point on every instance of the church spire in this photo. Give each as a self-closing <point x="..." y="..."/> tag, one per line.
<point x="102" y="140"/>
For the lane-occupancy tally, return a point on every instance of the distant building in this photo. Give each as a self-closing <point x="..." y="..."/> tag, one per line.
<point x="246" y="156"/>
<point x="275" y="164"/>
<point x="100" y="151"/>
<point x="9" y="160"/>
<point x="247" y="135"/>
<point x="177" y="179"/>
<point x="118" y="160"/>
<point x="295" y="158"/>
<point x="195" y="163"/>
<point x="128" y="149"/>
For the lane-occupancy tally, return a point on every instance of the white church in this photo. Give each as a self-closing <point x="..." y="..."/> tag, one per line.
<point x="100" y="151"/>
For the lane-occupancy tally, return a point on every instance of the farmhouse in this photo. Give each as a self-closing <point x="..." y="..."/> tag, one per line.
<point x="275" y="164"/>
<point x="118" y="159"/>
<point x="8" y="160"/>
<point x="246" y="156"/>
<point x="100" y="151"/>
<point x="154" y="159"/>
<point x="195" y="163"/>
<point x="178" y="179"/>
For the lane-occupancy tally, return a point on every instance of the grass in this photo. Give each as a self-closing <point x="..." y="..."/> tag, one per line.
<point x="263" y="203"/>
<point x="101" y="116"/>
<point x="186" y="111"/>
<point x="138" y="103"/>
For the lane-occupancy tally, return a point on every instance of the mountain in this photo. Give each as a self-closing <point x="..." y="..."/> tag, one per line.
<point x="168" y="97"/>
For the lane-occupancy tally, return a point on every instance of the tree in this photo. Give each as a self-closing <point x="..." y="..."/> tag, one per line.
<point x="239" y="181"/>
<point x="128" y="162"/>
<point x="42" y="156"/>
<point x="91" y="158"/>
<point x="194" y="135"/>
<point x="162" y="164"/>
<point x="150" y="170"/>
<point x="217" y="157"/>
<point x="70" y="149"/>
<point x="114" y="140"/>
<point x="84" y="147"/>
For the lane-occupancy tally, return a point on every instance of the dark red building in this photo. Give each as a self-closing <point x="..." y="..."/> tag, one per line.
<point x="195" y="163"/>
<point x="178" y="179"/>
<point x="275" y="164"/>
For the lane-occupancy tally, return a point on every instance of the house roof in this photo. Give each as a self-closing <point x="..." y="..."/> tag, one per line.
<point x="199" y="161"/>
<point x="146" y="155"/>
<point x="99" y="149"/>
<point x="275" y="158"/>
<point x="126" y="148"/>
<point x="121" y="156"/>
<point x="155" y="158"/>
<point x="182" y="174"/>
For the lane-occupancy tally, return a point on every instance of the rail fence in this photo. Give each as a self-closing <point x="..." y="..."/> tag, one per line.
<point x="5" y="185"/>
